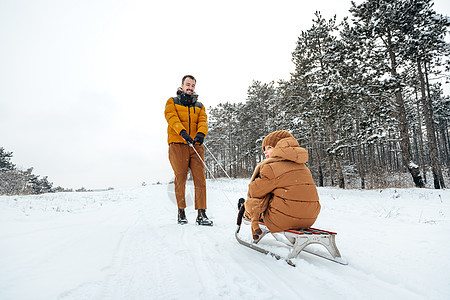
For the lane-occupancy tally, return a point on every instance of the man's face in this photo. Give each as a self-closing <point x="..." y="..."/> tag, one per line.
<point x="188" y="86"/>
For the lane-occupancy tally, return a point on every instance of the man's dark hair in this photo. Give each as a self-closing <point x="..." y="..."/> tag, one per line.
<point x="188" y="76"/>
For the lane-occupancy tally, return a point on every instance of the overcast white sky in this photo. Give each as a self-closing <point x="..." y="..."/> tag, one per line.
<point x="83" y="83"/>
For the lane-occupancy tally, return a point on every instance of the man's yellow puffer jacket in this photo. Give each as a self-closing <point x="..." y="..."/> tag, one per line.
<point x="179" y="116"/>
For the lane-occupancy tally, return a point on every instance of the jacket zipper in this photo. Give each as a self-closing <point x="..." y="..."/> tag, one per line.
<point x="189" y="113"/>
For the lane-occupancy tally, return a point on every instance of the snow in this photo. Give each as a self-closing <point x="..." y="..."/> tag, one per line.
<point x="413" y="165"/>
<point x="125" y="244"/>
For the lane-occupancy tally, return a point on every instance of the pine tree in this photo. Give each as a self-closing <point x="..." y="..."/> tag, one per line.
<point x="426" y="45"/>
<point x="5" y="160"/>
<point x="15" y="182"/>
<point x="382" y="23"/>
<point x="316" y="58"/>
<point x="40" y="186"/>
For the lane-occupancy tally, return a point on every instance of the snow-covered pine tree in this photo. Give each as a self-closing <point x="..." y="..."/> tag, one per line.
<point x="301" y="121"/>
<point x="5" y="160"/>
<point x="357" y="78"/>
<point x="257" y="118"/>
<point x="426" y="47"/>
<point x="441" y="111"/>
<point x="40" y="186"/>
<point x="382" y="23"/>
<point x="317" y="61"/>
<point x="220" y="138"/>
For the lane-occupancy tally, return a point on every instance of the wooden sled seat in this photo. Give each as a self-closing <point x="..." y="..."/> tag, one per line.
<point x="298" y="240"/>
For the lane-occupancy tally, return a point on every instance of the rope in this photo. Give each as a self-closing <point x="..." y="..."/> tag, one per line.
<point x="217" y="162"/>
<point x="201" y="159"/>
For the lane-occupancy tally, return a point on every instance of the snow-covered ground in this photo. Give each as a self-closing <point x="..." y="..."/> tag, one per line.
<point x="125" y="244"/>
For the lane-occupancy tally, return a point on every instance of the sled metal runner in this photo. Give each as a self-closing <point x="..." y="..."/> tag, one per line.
<point x="296" y="240"/>
<point x="259" y="249"/>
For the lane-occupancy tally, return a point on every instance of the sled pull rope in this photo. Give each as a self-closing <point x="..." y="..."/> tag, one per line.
<point x="220" y="165"/>
<point x="206" y="167"/>
<point x="202" y="161"/>
<point x="217" y="162"/>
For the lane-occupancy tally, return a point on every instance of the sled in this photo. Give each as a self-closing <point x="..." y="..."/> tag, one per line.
<point x="295" y="240"/>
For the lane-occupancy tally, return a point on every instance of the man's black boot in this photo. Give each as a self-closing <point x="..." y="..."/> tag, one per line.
<point x="202" y="219"/>
<point x="182" y="217"/>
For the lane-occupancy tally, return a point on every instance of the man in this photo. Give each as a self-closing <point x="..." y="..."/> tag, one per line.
<point x="186" y="130"/>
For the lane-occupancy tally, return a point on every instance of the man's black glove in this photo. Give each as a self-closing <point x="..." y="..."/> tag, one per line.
<point x="186" y="137"/>
<point x="199" y="137"/>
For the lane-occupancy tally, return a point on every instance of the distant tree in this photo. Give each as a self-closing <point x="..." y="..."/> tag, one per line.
<point x="257" y="117"/>
<point x="14" y="181"/>
<point x="60" y="189"/>
<point x="5" y="160"/>
<point x="40" y="186"/>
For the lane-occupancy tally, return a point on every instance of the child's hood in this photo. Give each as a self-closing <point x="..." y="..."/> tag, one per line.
<point x="289" y="149"/>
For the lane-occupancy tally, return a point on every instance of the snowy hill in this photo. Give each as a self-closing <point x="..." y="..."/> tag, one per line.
<point x="125" y="244"/>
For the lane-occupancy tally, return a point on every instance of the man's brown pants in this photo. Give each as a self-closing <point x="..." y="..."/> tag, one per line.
<point x="182" y="158"/>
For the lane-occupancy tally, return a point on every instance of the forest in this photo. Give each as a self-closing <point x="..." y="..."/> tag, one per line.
<point x="366" y="100"/>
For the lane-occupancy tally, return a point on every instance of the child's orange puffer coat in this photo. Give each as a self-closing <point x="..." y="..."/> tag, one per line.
<point x="282" y="190"/>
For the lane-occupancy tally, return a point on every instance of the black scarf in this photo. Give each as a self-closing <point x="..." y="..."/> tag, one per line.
<point x="187" y="99"/>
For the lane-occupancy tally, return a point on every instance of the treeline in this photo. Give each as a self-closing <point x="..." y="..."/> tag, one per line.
<point x="14" y="181"/>
<point x="362" y="100"/>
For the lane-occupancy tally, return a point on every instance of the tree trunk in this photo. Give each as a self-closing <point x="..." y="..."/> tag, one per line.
<point x="445" y="143"/>
<point x="372" y="167"/>
<point x="336" y="161"/>
<point x="429" y="124"/>
<point x="420" y="134"/>
<point x="359" y="153"/>
<point x="317" y="154"/>
<point x="404" y="143"/>
<point x="403" y="126"/>
<point x="431" y="133"/>
<point x="330" y="168"/>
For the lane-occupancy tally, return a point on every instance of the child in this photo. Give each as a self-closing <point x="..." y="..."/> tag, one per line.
<point x="282" y="191"/>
